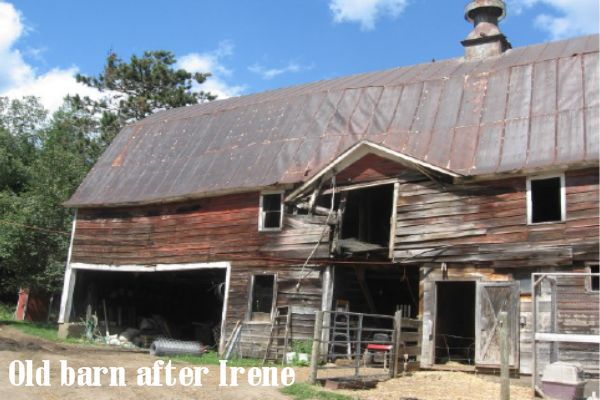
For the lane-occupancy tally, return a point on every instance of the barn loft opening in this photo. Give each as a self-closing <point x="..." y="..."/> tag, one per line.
<point x="367" y="215"/>
<point x="455" y="322"/>
<point x="185" y="305"/>
<point x="364" y="226"/>
<point x="377" y="290"/>
<point x="546" y="200"/>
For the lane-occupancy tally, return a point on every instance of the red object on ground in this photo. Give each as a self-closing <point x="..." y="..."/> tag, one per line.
<point x="381" y="347"/>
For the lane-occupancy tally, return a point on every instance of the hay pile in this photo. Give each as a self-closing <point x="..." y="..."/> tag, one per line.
<point x="439" y="385"/>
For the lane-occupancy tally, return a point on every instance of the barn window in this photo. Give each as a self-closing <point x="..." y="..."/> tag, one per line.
<point x="271" y="212"/>
<point x="262" y="298"/>
<point x="546" y="199"/>
<point x="594" y="280"/>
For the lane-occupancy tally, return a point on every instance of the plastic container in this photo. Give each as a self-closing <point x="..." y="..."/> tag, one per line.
<point x="290" y="357"/>
<point x="563" y="381"/>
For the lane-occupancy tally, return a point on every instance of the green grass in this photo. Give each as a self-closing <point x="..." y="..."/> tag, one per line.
<point x="7" y="313"/>
<point x="304" y="391"/>
<point x="212" y="358"/>
<point x="45" y="331"/>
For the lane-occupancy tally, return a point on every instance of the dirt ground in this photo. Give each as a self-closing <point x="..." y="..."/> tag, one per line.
<point x="15" y="345"/>
<point x="440" y="385"/>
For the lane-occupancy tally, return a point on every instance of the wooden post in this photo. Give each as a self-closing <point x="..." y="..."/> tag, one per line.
<point x="357" y="350"/>
<point x="534" y="283"/>
<point x="316" y="345"/>
<point x="396" y="344"/>
<point x="504" y="350"/>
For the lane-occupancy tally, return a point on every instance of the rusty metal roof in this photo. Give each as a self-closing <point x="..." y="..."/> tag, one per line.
<point x="532" y="107"/>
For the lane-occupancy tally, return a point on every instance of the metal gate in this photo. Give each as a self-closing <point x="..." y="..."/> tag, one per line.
<point x="565" y="326"/>
<point x="364" y="346"/>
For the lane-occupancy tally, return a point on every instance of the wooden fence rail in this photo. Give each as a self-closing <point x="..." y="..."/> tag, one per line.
<point x="362" y="337"/>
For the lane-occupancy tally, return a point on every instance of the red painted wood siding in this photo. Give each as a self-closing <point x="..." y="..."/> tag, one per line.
<point x="371" y="168"/>
<point x="212" y="229"/>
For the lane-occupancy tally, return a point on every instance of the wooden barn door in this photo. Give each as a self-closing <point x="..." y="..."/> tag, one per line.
<point x="492" y="298"/>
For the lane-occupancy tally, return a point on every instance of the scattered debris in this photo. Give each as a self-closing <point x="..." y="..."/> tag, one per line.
<point x="350" y="383"/>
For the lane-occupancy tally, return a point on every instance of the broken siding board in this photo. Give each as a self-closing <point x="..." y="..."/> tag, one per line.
<point x="455" y="224"/>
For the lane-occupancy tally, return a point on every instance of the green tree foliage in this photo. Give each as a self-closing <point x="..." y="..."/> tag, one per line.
<point x="44" y="159"/>
<point x="139" y="88"/>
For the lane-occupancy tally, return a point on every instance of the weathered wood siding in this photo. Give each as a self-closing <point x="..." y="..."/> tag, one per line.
<point x="577" y="311"/>
<point x="215" y="229"/>
<point x="221" y="228"/>
<point x="211" y="229"/>
<point x="486" y="223"/>
<point x="304" y="303"/>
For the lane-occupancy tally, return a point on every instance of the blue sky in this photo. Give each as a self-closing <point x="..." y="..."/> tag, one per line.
<point x="252" y="46"/>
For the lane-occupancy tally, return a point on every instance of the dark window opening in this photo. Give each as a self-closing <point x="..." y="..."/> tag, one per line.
<point x="546" y="200"/>
<point x="367" y="215"/>
<point x="455" y="323"/>
<point x="262" y="297"/>
<point x="595" y="279"/>
<point x="271" y="211"/>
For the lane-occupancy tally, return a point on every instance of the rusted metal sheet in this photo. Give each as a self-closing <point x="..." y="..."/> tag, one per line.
<point x="532" y="107"/>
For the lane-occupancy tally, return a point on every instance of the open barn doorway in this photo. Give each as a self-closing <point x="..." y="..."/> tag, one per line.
<point x="455" y="323"/>
<point x="184" y="305"/>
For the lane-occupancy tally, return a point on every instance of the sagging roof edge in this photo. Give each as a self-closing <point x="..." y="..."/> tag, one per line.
<point x="348" y="157"/>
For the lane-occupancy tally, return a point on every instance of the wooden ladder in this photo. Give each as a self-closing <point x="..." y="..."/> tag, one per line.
<point x="274" y="346"/>
<point x="340" y="335"/>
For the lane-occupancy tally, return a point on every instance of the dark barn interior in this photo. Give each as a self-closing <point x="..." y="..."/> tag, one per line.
<point x="378" y="290"/>
<point x="184" y="305"/>
<point x="367" y="215"/>
<point x="455" y="322"/>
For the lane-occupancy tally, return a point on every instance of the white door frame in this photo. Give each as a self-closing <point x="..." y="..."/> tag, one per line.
<point x="72" y="268"/>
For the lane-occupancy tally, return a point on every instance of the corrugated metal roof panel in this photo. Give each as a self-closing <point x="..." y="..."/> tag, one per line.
<point x="534" y="106"/>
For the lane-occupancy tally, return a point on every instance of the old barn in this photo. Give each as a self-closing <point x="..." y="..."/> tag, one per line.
<point x="436" y="188"/>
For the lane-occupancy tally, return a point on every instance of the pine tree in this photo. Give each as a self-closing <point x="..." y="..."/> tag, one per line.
<point x="139" y="88"/>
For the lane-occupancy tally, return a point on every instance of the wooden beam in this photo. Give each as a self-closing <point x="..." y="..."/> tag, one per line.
<point x="360" y="277"/>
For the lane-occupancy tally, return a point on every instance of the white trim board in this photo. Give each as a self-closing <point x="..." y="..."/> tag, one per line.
<point x="68" y="280"/>
<point x="150" y="268"/>
<point x="357" y="152"/>
<point x="566" y="338"/>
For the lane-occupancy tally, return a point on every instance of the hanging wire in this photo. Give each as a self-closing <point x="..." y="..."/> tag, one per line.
<point x="325" y="229"/>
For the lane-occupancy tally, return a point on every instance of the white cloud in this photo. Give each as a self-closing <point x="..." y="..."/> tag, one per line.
<point x="18" y="78"/>
<point x="212" y="62"/>
<point x="570" y="17"/>
<point x="270" y="73"/>
<point x="365" y="12"/>
<point x="52" y="87"/>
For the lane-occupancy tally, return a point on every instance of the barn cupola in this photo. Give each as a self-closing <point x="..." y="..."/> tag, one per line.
<point x="485" y="40"/>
